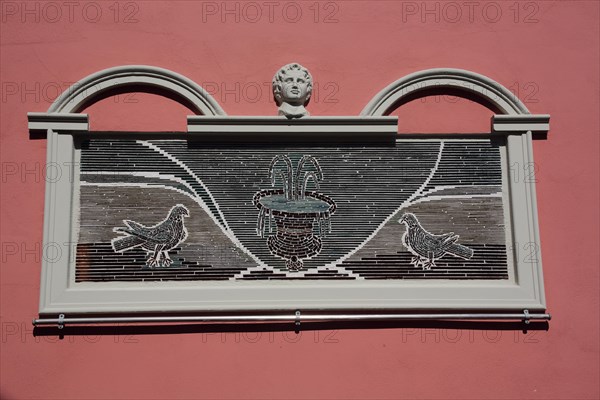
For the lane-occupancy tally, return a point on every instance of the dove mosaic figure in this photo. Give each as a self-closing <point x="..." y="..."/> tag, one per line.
<point x="158" y="239"/>
<point x="427" y="247"/>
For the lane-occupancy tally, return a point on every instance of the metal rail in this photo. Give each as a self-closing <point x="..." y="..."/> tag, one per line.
<point x="296" y="317"/>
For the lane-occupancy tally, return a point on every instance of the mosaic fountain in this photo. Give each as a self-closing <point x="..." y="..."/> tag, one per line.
<point x="294" y="218"/>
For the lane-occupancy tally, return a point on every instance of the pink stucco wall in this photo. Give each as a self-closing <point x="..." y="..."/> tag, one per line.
<point x="547" y="51"/>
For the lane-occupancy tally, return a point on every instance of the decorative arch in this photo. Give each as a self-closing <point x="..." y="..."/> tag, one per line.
<point x="482" y="87"/>
<point x="94" y="85"/>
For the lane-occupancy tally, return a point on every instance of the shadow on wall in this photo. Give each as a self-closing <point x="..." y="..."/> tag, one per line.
<point x="120" y="330"/>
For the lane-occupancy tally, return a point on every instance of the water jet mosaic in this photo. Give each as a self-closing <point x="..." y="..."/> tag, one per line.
<point x="153" y="210"/>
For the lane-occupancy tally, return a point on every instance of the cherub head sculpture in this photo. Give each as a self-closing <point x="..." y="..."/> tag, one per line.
<point x="292" y="87"/>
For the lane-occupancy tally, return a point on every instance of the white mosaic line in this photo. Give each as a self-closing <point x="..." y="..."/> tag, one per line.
<point x="227" y="231"/>
<point x="140" y="185"/>
<point x="187" y="169"/>
<point x="333" y="264"/>
<point x="421" y="199"/>
<point x="197" y="199"/>
<point x="454" y="196"/>
<point x="419" y="191"/>
<point x="444" y="187"/>
<point x="158" y="175"/>
<point x="150" y="175"/>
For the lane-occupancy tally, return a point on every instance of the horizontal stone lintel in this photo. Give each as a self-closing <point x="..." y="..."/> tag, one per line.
<point x="298" y="125"/>
<point x="57" y="121"/>
<point x="307" y="130"/>
<point x="520" y="123"/>
<point x="195" y="120"/>
<point x="380" y="129"/>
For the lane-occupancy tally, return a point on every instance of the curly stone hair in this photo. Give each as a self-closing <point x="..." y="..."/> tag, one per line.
<point x="280" y="75"/>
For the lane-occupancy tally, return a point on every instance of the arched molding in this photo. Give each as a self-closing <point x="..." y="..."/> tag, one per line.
<point x="93" y="86"/>
<point x="440" y="79"/>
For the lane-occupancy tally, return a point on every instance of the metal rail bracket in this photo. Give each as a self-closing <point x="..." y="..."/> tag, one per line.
<point x="61" y="321"/>
<point x="297" y="321"/>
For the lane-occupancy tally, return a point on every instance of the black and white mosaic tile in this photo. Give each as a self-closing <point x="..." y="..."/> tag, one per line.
<point x="451" y="185"/>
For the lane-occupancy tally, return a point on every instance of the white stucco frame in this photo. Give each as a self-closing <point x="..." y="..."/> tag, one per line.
<point x="61" y="295"/>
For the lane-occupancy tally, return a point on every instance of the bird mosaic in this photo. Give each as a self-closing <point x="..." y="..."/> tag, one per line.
<point x="427" y="247"/>
<point x="158" y="239"/>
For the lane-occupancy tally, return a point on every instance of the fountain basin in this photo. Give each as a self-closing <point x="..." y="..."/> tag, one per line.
<point x="314" y="205"/>
<point x="278" y="202"/>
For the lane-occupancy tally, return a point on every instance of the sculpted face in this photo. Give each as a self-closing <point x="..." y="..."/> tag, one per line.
<point x="294" y="88"/>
